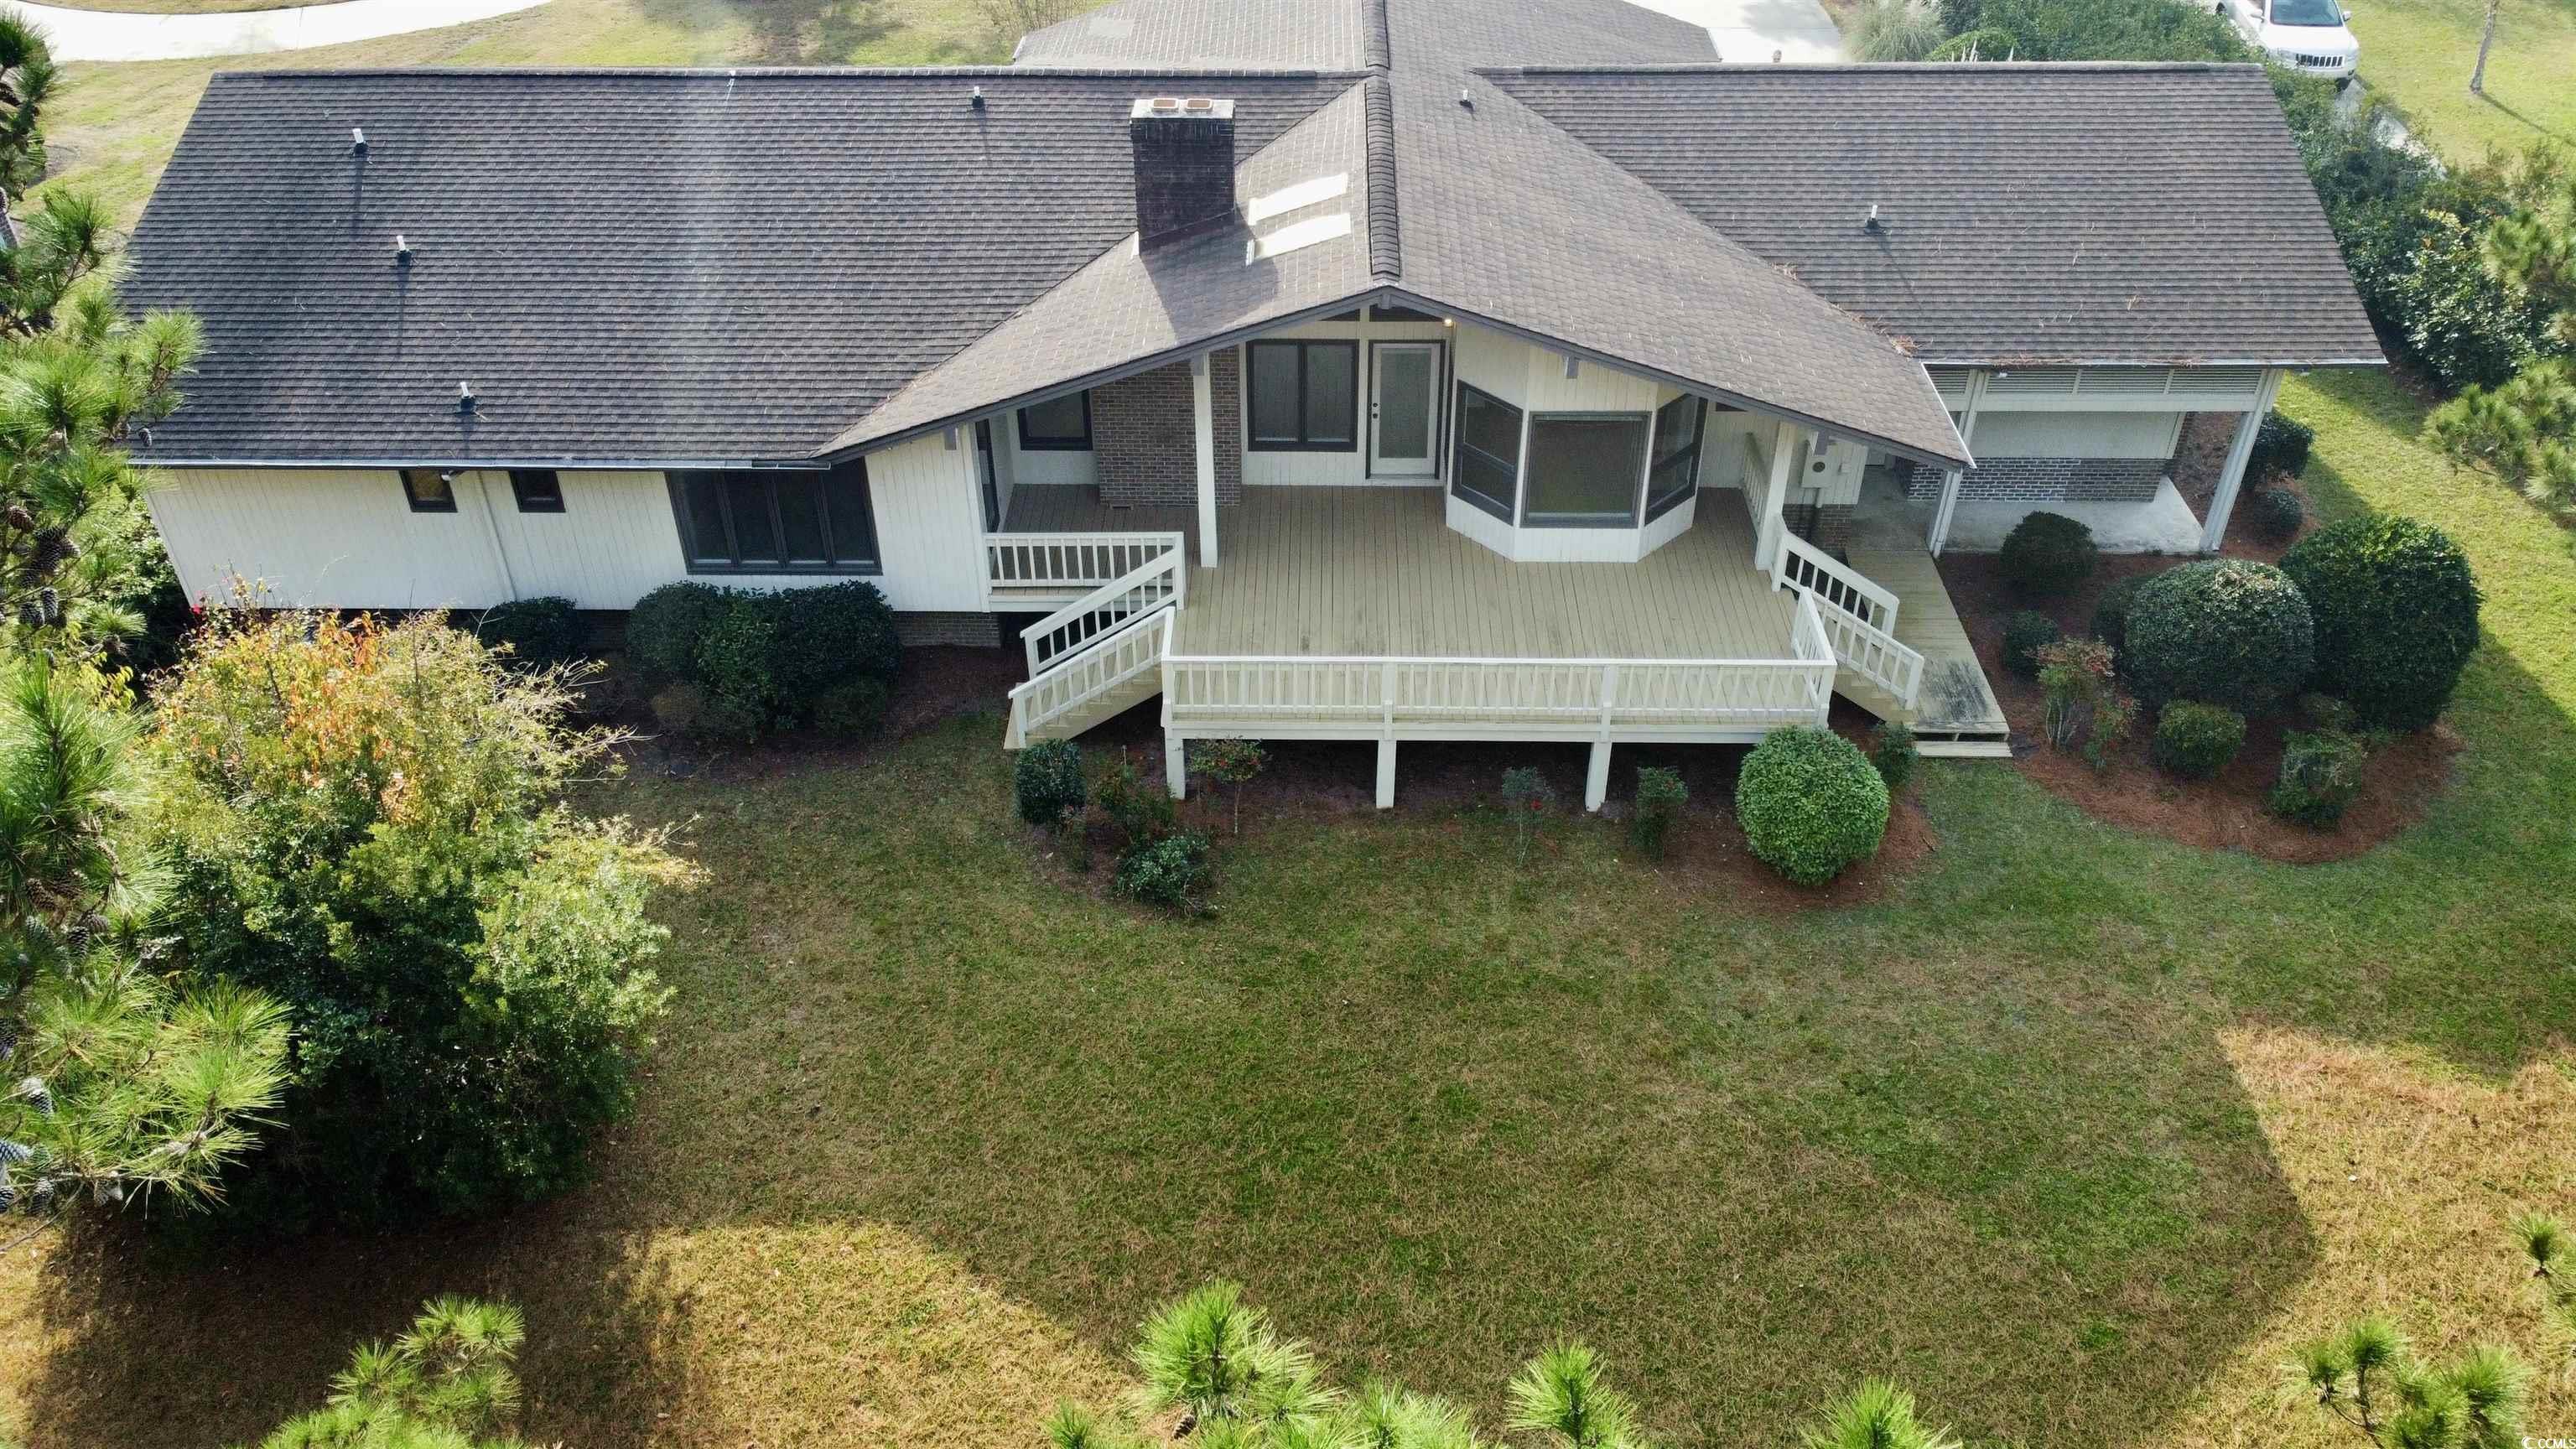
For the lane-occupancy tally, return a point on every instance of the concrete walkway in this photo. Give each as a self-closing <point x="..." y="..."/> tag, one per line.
<point x="116" y="35"/>
<point x="1760" y="31"/>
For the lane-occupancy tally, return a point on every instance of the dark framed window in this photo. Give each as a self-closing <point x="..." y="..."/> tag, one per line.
<point x="1586" y="470"/>
<point x="777" y="522"/>
<point x="1058" y="425"/>
<point x="428" y="490"/>
<point x="1673" y="476"/>
<point x="539" y="490"/>
<point x="1303" y="396"/>
<point x="1489" y="452"/>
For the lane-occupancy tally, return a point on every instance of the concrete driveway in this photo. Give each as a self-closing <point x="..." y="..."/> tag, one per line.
<point x="1750" y="31"/>
<point x="115" y="35"/>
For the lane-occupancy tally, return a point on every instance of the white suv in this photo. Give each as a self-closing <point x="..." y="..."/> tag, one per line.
<point x="2306" y="35"/>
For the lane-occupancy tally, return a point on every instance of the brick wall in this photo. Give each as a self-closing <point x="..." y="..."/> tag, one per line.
<point x="2048" y="480"/>
<point x="1144" y="434"/>
<point x="975" y="631"/>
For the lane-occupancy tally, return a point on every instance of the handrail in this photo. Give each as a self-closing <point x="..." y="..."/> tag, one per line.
<point x="1161" y="581"/>
<point x="1811" y="568"/>
<point x="1857" y="616"/>
<point x="1104" y="662"/>
<point x="1069" y="560"/>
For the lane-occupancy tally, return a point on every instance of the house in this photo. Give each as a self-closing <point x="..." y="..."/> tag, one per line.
<point x="1368" y="369"/>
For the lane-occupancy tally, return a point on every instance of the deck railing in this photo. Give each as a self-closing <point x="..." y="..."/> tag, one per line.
<point x="1525" y="698"/>
<point x="1057" y="563"/>
<point x="1158" y="582"/>
<point x="1859" y="617"/>
<point x="1111" y="659"/>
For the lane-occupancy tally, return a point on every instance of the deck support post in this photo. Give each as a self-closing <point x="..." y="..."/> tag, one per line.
<point x="1203" y="415"/>
<point x="1176" y="764"/>
<point x="1386" y="772"/>
<point x="1596" y="780"/>
<point x="2231" y="478"/>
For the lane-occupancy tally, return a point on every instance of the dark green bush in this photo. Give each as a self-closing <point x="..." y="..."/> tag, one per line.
<point x="680" y="708"/>
<point x="2111" y="610"/>
<point x="2281" y="445"/>
<point x="1170" y="871"/>
<point x="1140" y="810"/>
<point x="854" y="709"/>
<point x="2396" y="616"/>
<point x="664" y="627"/>
<point x="2025" y="634"/>
<point x="829" y="635"/>
<point x="1660" y="798"/>
<point x="2320" y="775"/>
<point x="2048" y="553"/>
<point x="1811" y="804"/>
<point x="736" y="667"/>
<point x="1892" y="753"/>
<point x="2223" y="631"/>
<point x="2196" y="740"/>
<point x="2097" y="30"/>
<point x="1047" y="783"/>
<point x="2323" y="711"/>
<point x="2275" y="515"/>
<point x="540" y="632"/>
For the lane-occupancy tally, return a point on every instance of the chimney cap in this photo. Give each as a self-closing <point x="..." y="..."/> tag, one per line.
<point x="1193" y="108"/>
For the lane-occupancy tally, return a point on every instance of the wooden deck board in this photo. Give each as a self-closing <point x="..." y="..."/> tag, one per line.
<point x="1955" y="697"/>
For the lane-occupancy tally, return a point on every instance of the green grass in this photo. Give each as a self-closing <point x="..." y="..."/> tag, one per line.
<point x="2419" y="53"/>
<point x="2077" y="1133"/>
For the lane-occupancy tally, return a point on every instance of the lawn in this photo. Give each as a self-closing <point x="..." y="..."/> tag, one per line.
<point x="2077" y="1131"/>
<point x="2419" y="53"/>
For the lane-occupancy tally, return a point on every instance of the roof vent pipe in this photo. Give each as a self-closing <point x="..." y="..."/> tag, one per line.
<point x="465" y="399"/>
<point x="357" y="140"/>
<point x="977" y="100"/>
<point x="402" y="250"/>
<point x="1872" y="223"/>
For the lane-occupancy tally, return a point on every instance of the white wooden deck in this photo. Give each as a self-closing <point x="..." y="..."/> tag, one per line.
<point x="1345" y="572"/>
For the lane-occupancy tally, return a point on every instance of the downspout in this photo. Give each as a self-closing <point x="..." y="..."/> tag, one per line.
<point x="492" y="531"/>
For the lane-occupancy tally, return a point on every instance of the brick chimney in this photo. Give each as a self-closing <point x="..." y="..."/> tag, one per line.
<point x="1184" y="166"/>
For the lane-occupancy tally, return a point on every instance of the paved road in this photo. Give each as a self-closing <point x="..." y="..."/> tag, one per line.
<point x="114" y="35"/>
<point x="1761" y="30"/>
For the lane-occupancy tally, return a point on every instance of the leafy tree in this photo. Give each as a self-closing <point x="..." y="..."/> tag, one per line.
<point x="446" y="1384"/>
<point x="1526" y="792"/>
<point x="365" y="822"/>
<point x="1233" y="763"/>
<point x="122" y="1082"/>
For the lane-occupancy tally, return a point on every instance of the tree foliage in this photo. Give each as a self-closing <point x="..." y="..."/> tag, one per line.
<point x="448" y="1383"/>
<point x="364" y="821"/>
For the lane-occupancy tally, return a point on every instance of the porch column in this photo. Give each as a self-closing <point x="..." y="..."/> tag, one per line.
<point x="1939" y="536"/>
<point x="1766" y="543"/>
<point x="1203" y="413"/>
<point x="2231" y="478"/>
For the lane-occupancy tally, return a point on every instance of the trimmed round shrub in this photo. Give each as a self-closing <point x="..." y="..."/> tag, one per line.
<point x="2047" y="554"/>
<point x="1892" y="753"/>
<point x="541" y="633"/>
<point x="1811" y="804"/>
<point x="2397" y="616"/>
<point x="2320" y="775"/>
<point x="2280" y="446"/>
<point x="2275" y="515"/>
<point x="854" y="709"/>
<point x="1170" y="871"/>
<point x="2196" y="740"/>
<point x="664" y="627"/>
<point x="2111" y="610"/>
<point x="829" y="635"/>
<point x="2324" y="711"/>
<point x="2025" y="634"/>
<point x="1047" y="783"/>
<point x="735" y="666"/>
<point x="2222" y="631"/>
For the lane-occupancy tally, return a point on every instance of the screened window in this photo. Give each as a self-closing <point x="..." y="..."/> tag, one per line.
<point x="1058" y="425"/>
<point x="1489" y="451"/>
<point x="777" y="522"/>
<point x="1674" y="475"/>
<point x="1305" y="396"/>
<point x="1585" y="469"/>
<point x="539" y="490"/>
<point x="428" y="490"/>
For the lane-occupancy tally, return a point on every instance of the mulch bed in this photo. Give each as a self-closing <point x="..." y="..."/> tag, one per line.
<point x="2224" y="813"/>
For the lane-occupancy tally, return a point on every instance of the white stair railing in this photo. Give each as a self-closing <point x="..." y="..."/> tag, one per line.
<point x="1158" y="582"/>
<point x="1858" y="617"/>
<point x="1054" y="562"/>
<point x="1136" y="647"/>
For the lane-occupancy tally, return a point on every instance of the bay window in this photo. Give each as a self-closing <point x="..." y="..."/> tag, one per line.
<point x="1489" y="452"/>
<point x="1585" y="470"/>
<point x="1673" y="476"/>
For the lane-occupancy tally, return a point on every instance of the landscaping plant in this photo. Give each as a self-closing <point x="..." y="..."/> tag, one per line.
<point x="1168" y="870"/>
<point x="1140" y="810"/>
<point x="2275" y="515"/>
<point x="2047" y="554"/>
<point x="1892" y="753"/>
<point x="1877" y="1415"/>
<point x="1660" y="798"/>
<point x="365" y="822"/>
<point x="854" y="709"/>
<point x="1047" y="783"/>
<point x="2195" y="740"/>
<point x="541" y="633"/>
<point x="2223" y="631"/>
<point x="2026" y="633"/>
<point x="1231" y="762"/>
<point x="2544" y="1240"/>
<point x="2320" y="775"/>
<point x="1526" y="792"/>
<point x="2281" y="445"/>
<point x="664" y="627"/>
<point x="2111" y="611"/>
<point x="448" y="1383"/>
<point x="1895" y="30"/>
<point x="756" y="661"/>
<point x="2396" y="611"/>
<point x="1811" y="804"/>
<point x="736" y="665"/>
<point x="2084" y="701"/>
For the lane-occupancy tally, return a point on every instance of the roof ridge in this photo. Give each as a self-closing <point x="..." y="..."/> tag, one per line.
<point x="1386" y="237"/>
<point x="790" y="72"/>
<point x="1381" y="36"/>
<point x="1961" y="67"/>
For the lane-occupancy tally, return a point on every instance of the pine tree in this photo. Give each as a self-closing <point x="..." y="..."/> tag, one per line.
<point x="446" y="1384"/>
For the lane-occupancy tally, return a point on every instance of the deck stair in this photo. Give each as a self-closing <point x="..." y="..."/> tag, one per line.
<point x="1954" y="713"/>
<point x="1100" y="655"/>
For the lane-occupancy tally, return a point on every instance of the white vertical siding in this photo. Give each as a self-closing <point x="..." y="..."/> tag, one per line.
<point x="1491" y="362"/>
<point x="1593" y="388"/>
<point x="2006" y="433"/>
<point x="1040" y="466"/>
<point x="346" y="538"/>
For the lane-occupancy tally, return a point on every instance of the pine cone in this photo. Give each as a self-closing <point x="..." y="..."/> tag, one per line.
<point x="31" y="613"/>
<point x="19" y="518"/>
<point x="52" y="603"/>
<point x="52" y="547"/>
